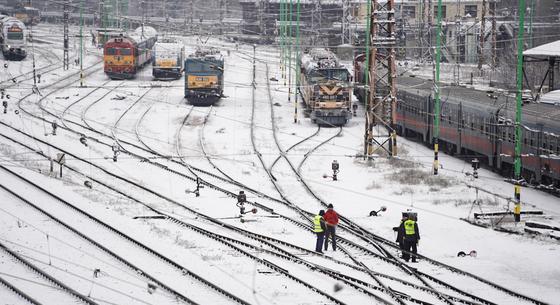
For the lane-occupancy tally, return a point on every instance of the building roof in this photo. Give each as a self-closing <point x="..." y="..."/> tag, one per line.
<point x="552" y="98"/>
<point x="551" y="49"/>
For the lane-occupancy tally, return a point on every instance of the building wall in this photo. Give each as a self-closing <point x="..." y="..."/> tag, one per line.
<point x="412" y="11"/>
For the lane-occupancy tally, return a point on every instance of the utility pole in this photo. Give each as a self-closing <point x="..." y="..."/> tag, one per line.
<point x="494" y="33"/>
<point x="143" y="3"/>
<point x="346" y="16"/>
<point x="316" y="22"/>
<point x="81" y="43"/>
<point x="481" y="39"/>
<point x="437" y="90"/>
<point x="282" y="44"/>
<point x="425" y="30"/>
<point x="517" y="159"/>
<point x="123" y="9"/>
<point x="532" y="11"/>
<point x="298" y="72"/>
<point x="382" y="101"/>
<point x="222" y="6"/>
<point x="192" y="11"/>
<point x="65" y="16"/>
<point x="290" y="52"/>
<point x="261" y="17"/>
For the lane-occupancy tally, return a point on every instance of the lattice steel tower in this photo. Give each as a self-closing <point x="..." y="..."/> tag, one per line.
<point x="65" y="17"/>
<point x="382" y="99"/>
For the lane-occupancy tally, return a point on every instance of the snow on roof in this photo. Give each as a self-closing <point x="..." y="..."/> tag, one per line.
<point x="549" y="49"/>
<point x="552" y="97"/>
<point x="207" y="53"/>
<point x="166" y="48"/>
<point x="147" y="32"/>
<point x="319" y="59"/>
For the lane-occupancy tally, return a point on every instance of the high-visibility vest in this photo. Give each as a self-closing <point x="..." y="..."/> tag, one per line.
<point x="409" y="227"/>
<point x="317" y="224"/>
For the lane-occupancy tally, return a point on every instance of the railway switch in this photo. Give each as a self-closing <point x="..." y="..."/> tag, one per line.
<point x="197" y="189"/>
<point x="376" y="213"/>
<point x="54" y="125"/>
<point x="335" y="168"/>
<point x="241" y="200"/>
<point x="241" y="197"/>
<point x="475" y="165"/>
<point x="115" y="149"/>
<point x="151" y="288"/>
<point x="83" y="140"/>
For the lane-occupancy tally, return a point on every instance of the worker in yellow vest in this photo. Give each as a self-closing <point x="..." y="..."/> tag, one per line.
<point x="319" y="228"/>
<point x="411" y="238"/>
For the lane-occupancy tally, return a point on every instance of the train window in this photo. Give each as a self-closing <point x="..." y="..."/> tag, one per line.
<point x="126" y="51"/>
<point x="110" y="51"/>
<point x="193" y="66"/>
<point x="15" y="35"/>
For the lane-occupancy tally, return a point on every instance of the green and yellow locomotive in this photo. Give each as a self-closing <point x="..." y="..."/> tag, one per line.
<point x="325" y="88"/>
<point x="204" y="77"/>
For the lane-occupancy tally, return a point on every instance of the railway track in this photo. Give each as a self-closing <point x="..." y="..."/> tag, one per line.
<point x="301" y="179"/>
<point x="63" y="291"/>
<point x="363" y="233"/>
<point x="305" y="226"/>
<point x="18" y="292"/>
<point x="286" y="256"/>
<point x="179" y="269"/>
<point x="375" y="241"/>
<point x="246" y="253"/>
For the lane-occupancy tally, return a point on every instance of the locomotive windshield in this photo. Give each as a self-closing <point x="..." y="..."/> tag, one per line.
<point x="15" y="35"/>
<point x="329" y="74"/>
<point x="118" y="51"/>
<point x="201" y="66"/>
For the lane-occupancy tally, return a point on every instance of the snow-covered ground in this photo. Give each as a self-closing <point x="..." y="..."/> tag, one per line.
<point x="164" y="136"/>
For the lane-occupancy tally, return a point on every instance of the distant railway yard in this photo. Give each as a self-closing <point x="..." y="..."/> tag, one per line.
<point x="161" y="168"/>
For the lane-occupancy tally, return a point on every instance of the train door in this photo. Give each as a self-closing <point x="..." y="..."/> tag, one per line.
<point x="427" y="109"/>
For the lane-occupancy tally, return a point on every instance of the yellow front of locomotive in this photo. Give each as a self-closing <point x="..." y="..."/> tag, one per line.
<point x="331" y="95"/>
<point x="118" y="57"/>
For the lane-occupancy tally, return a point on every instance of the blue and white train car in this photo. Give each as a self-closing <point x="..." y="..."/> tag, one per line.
<point x="12" y="38"/>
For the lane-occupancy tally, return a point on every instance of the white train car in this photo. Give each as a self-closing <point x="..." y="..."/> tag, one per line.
<point x="168" y="59"/>
<point x="13" y="38"/>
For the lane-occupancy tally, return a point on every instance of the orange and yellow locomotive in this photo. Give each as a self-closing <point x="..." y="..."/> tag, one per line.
<point x="123" y="56"/>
